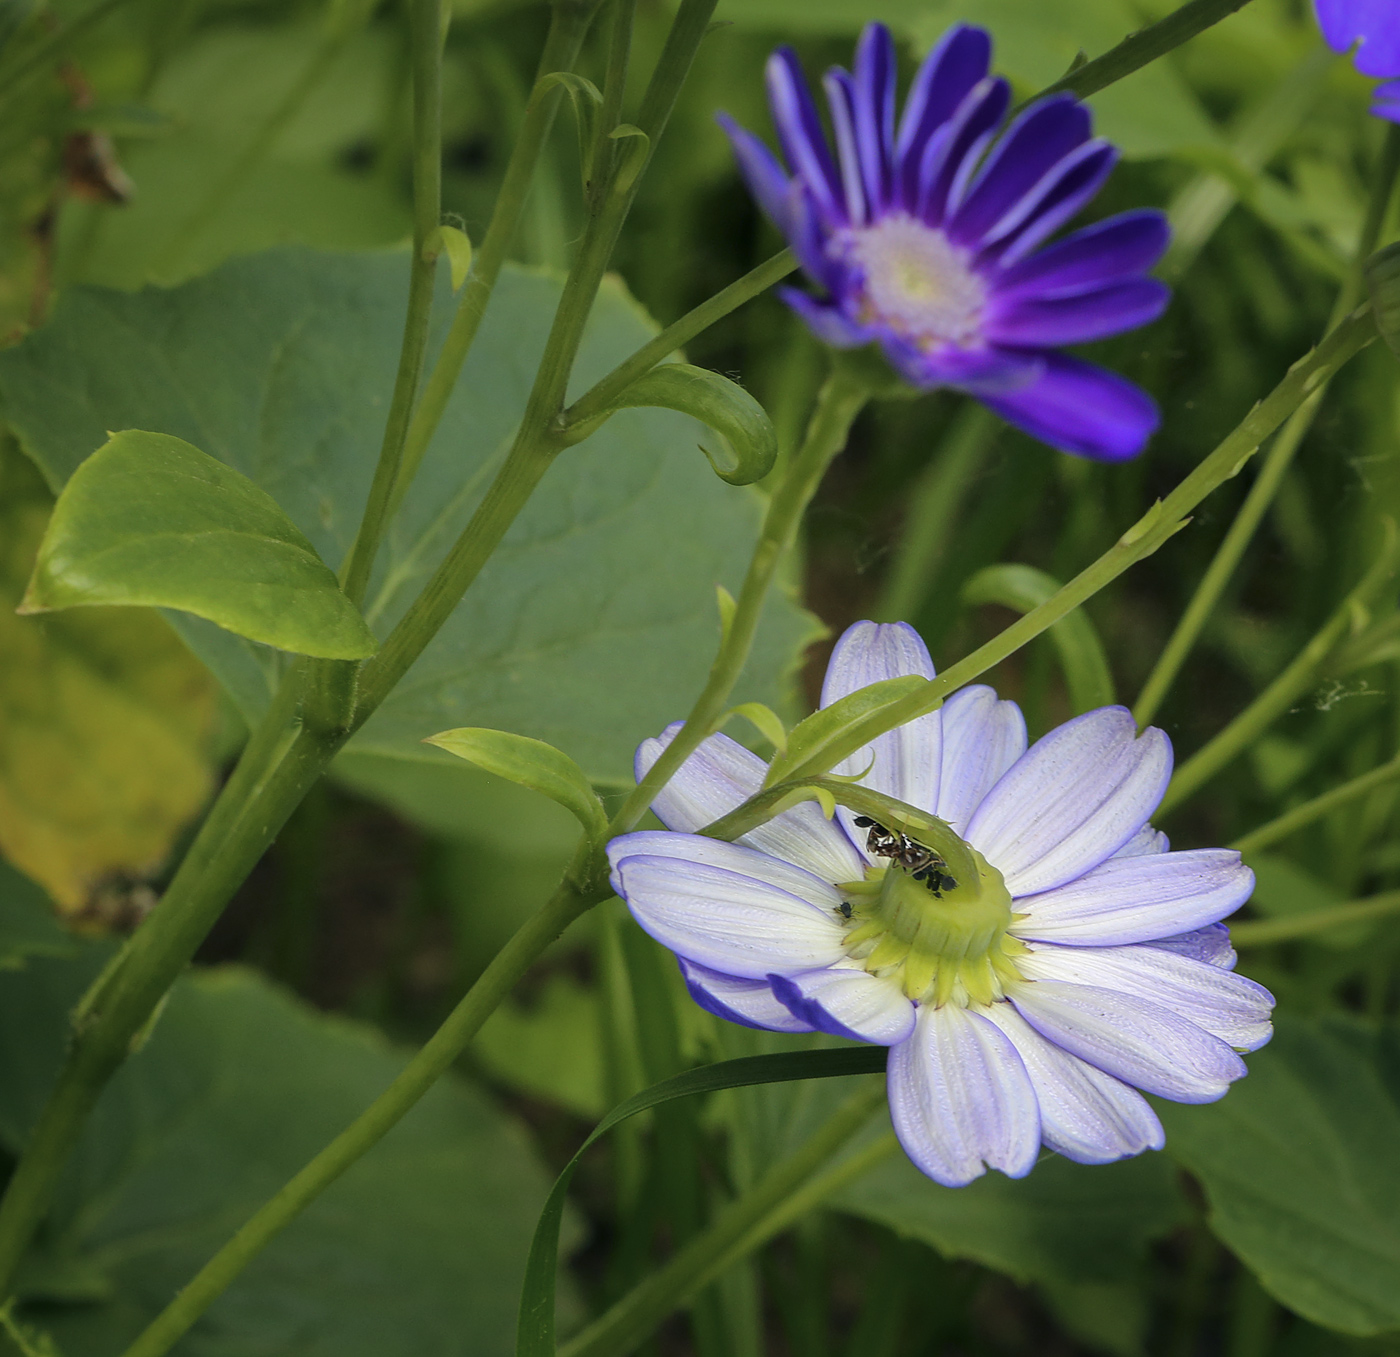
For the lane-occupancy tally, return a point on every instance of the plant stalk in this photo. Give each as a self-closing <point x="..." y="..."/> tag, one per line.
<point x="1300" y="816"/>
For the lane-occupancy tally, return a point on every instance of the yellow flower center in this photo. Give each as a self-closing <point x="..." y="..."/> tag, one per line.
<point x="946" y="944"/>
<point x="917" y="281"/>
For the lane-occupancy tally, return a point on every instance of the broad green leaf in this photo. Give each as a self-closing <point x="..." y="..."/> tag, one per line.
<point x="105" y="725"/>
<point x="148" y="519"/>
<point x="810" y="737"/>
<point x="1066" y="1222"/>
<point x="1151" y="113"/>
<point x="217" y="91"/>
<point x="1383" y="283"/>
<point x="1082" y="657"/>
<point x="550" y="1047"/>
<point x="746" y="434"/>
<point x="419" y="1248"/>
<point x="591" y="628"/>
<point x="27" y="924"/>
<point x="529" y="763"/>
<point x="1301" y="1167"/>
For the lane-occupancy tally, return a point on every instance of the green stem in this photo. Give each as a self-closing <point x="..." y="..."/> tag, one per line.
<point x="841" y="399"/>
<point x="933" y="504"/>
<point x="426" y="38"/>
<point x="1258" y="932"/>
<point x="1166" y="518"/>
<point x="418" y="1076"/>
<point x="737" y="1229"/>
<point x="1138" y="49"/>
<point x="1284" y="825"/>
<point x="276" y="122"/>
<point x="1276" y="464"/>
<point x="568" y="24"/>
<point x="1276" y="699"/>
<point x="596" y="400"/>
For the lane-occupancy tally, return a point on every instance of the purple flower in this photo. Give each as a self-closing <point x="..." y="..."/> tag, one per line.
<point x="1025" y="1008"/>
<point x="924" y="236"/>
<point x="1373" y="28"/>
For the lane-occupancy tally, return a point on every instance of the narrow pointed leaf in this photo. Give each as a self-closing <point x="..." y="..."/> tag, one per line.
<point x="529" y="763"/>
<point x="151" y="520"/>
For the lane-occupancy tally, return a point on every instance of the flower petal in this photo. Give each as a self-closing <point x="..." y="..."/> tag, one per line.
<point x="1048" y="322"/>
<point x="952" y="154"/>
<point x="1229" y="1006"/>
<point x="1145" y="842"/>
<point x="1385" y="101"/>
<point x="766" y="179"/>
<point x="1138" y="899"/>
<point x="1073" y="799"/>
<point x="1210" y="944"/>
<point x="1085" y="1114"/>
<point x="1060" y="195"/>
<point x="1373" y="23"/>
<point x="750" y="1003"/>
<point x="980" y="372"/>
<point x="841" y="99"/>
<point x="982" y="738"/>
<point x="1077" y="407"/>
<point x="1107" y="251"/>
<point x="800" y="130"/>
<point x="1037" y="140"/>
<point x="719" y="775"/>
<point x="1139" y="1042"/>
<point x="943" y="81"/>
<point x="848" y="1002"/>
<point x="826" y="321"/>
<point x="960" y="1098"/>
<point x="909" y="758"/>
<point x="874" y="112"/>
<point x="730" y="908"/>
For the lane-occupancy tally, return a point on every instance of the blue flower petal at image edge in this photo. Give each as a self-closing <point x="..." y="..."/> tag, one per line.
<point x="1373" y="28"/>
<point x="1088" y="963"/>
<point x="925" y="236"/>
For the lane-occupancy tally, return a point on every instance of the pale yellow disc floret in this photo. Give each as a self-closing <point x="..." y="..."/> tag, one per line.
<point x="944" y="944"/>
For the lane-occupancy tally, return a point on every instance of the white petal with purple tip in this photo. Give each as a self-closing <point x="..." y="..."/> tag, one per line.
<point x="1138" y="899"/>
<point x="750" y="1003"/>
<point x="982" y="738"/>
<point x="1210" y="944"/>
<point x="848" y="1002"/>
<point x="1075" y="798"/>
<point x="738" y="923"/>
<point x="1141" y="1043"/>
<point x="1145" y="842"/>
<point x="960" y="1098"/>
<point x="717" y="777"/>
<point x="1229" y="1006"/>
<point x="1085" y="1114"/>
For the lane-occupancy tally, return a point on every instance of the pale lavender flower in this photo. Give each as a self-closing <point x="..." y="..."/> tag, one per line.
<point x="925" y="236"/>
<point x="1088" y="962"/>
<point x="1372" y="27"/>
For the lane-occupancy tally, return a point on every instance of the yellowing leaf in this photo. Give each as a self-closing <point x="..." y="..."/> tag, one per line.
<point x="105" y="720"/>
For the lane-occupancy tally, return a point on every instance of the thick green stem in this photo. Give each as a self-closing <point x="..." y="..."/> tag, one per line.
<point x="1138" y="49"/>
<point x="426" y="37"/>
<point x="841" y="399"/>
<point x="1280" y="695"/>
<point x="1259" y="932"/>
<point x="1166" y="518"/>
<point x="1319" y="806"/>
<point x="1276" y="464"/>
<point x="418" y="1076"/>
<point x="568" y="24"/>
<point x="737" y="1229"/>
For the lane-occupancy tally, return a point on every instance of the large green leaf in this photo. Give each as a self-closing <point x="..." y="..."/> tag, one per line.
<point x="1151" y="113"/>
<point x="149" y="519"/>
<point x="27" y="923"/>
<point x="418" y="1249"/>
<point x="1064" y="1223"/>
<point x="593" y="625"/>
<point x="1301" y="1166"/>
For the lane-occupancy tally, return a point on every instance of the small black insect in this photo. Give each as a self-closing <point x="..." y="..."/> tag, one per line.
<point x="921" y="862"/>
<point x="844" y="909"/>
